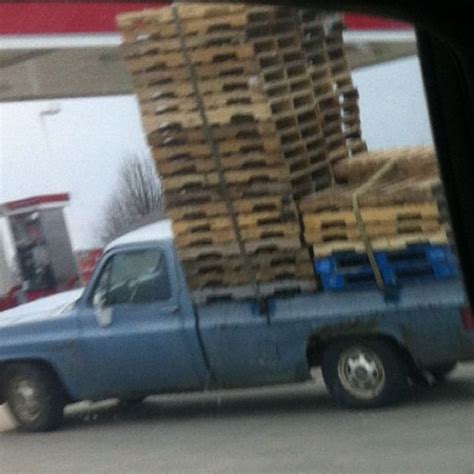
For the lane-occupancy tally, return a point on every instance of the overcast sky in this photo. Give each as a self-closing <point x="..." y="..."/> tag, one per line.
<point x="76" y="150"/>
<point x="78" y="146"/>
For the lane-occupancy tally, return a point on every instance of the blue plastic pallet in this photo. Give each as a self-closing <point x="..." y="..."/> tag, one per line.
<point x="350" y="270"/>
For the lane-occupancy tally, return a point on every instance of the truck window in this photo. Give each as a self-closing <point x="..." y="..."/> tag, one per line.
<point x="133" y="277"/>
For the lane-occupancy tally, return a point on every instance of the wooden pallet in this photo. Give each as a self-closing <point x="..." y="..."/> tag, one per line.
<point x="383" y="243"/>
<point x="409" y="163"/>
<point x="191" y="182"/>
<point x="292" y="100"/>
<point x="211" y="101"/>
<point x="185" y="166"/>
<point x="373" y="214"/>
<point x="208" y="252"/>
<point x="165" y="91"/>
<point x="298" y="258"/>
<point x="242" y="184"/>
<point x="259" y="189"/>
<point x="186" y="12"/>
<point x="262" y="218"/>
<point x="260" y="174"/>
<point x="399" y="193"/>
<point x="217" y="116"/>
<point x="277" y="288"/>
<point x="272" y="245"/>
<point x="222" y="86"/>
<point x="287" y="86"/>
<point x="278" y="204"/>
<point x="151" y="25"/>
<point x="372" y="230"/>
<point x="267" y="174"/>
<point x="197" y="211"/>
<point x="237" y="162"/>
<point x="270" y="231"/>
<point x="294" y="257"/>
<point x="184" y="197"/>
<point x="214" y="224"/>
<point x="221" y="133"/>
<point x="266" y="148"/>
<point x="160" y="108"/>
<point x="200" y="239"/>
<point x="249" y="143"/>
<point x="219" y="61"/>
<point x="175" y="152"/>
<point x="285" y="272"/>
<point x="153" y="45"/>
<point x="238" y="275"/>
<point x="248" y="164"/>
<point x="228" y="99"/>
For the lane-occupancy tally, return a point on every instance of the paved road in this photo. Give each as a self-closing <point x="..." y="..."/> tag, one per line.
<point x="283" y="430"/>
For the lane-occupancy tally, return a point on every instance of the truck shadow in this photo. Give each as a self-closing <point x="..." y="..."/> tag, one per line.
<point x="227" y="405"/>
<point x="294" y="399"/>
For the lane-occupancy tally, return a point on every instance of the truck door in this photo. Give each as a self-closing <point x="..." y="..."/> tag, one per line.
<point x="136" y="336"/>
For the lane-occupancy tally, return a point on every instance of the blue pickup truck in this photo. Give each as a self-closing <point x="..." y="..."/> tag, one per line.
<point x="134" y="331"/>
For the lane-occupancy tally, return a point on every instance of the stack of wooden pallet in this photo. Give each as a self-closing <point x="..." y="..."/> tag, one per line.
<point x="332" y="82"/>
<point x="286" y="80"/>
<point x="413" y="177"/>
<point x="400" y="208"/>
<point x="217" y="146"/>
<point x="397" y="217"/>
<point x="305" y="76"/>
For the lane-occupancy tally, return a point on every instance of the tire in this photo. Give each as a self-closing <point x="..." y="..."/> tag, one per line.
<point x="440" y="372"/>
<point x="35" y="397"/>
<point x="364" y="373"/>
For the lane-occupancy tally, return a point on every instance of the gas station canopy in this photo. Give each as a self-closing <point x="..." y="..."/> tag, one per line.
<point x="51" y="50"/>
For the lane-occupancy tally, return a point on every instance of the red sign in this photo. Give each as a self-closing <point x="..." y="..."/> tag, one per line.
<point x="23" y="18"/>
<point x="35" y="201"/>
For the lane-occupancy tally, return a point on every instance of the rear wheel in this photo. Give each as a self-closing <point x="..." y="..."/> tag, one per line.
<point x="364" y="373"/>
<point x="35" y="397"/>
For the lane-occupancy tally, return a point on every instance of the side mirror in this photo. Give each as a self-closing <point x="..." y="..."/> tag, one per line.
<point x="103" y="312"/>
<point x="104" y="316"/>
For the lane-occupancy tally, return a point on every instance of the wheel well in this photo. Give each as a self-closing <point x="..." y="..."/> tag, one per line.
<point x="5" y="365"/>
<point x="317" y="344"/>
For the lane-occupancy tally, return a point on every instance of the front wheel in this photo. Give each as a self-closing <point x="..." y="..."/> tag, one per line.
<point x="35" y="397"/>
<point x="364" y="373"/>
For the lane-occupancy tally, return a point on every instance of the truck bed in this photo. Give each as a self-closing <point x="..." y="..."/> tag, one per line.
<point x="446" y="293"/>
<point x="424" y="317"/>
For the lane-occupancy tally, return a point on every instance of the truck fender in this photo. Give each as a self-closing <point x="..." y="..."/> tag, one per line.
<point x="320" y="338"/>
<point x="51" y="365"/>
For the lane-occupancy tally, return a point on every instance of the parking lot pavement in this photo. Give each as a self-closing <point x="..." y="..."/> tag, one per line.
<point x="279" y="430"/>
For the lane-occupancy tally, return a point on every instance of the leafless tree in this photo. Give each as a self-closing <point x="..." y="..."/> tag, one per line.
<point x="137" y="199"/>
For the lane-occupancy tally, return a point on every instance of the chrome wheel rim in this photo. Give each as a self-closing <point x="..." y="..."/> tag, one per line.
<point x="26" y="399"/>
<point x="361" y="372"/>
